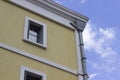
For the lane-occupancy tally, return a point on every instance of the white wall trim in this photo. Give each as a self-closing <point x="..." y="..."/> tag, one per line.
<point x="78" y="52"/>
<point x="40" y="59"/>
<point x="44" y="45"/>
<point x="43" y="12"/>
<point x="23" y="69"/>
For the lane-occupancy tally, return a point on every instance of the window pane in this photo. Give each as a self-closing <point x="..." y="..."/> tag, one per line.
<point x="35" y="32"/>
<point x="32" y="76"/>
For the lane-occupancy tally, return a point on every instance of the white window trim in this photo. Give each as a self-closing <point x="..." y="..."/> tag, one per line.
<point x="44" y="45"/>
<point x="23" y="69"/>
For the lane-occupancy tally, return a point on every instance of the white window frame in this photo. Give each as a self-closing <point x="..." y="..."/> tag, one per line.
<point x="23" y="69"/>
<point x="44" y="44"/>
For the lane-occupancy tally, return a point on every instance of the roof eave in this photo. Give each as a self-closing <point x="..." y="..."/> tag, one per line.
<point x="60" y="10"/>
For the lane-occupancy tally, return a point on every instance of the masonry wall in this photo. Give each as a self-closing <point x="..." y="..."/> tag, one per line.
<point x="61" y="47"/>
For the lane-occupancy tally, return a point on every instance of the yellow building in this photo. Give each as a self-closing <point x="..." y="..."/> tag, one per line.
<point x="39" y="40"/>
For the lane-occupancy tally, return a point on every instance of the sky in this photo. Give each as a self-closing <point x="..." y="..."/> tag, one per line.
<point x="101" y="36"/>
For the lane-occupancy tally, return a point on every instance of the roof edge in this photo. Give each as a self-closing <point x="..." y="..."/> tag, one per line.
<point x="60" y="10"/>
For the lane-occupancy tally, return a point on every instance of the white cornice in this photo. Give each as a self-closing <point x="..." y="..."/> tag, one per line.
<point x="60" y="10"/>
<point x="51" y="10"/>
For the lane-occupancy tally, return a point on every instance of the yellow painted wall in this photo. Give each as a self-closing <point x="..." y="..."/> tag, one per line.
<point x="60" y="40"/>
<point x="10" y="65"/>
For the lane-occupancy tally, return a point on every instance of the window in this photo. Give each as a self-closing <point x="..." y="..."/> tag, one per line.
<point x="30" y="74"/>
<point x="35" y="32"/>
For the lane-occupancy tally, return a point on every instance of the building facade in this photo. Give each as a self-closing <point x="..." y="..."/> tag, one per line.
<point x="39" y="41"/>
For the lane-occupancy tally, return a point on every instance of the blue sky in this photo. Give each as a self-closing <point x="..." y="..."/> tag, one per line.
<point x="101" y="36"/>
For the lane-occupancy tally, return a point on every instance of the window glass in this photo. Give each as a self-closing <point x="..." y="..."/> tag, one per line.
<point x="35" y="32"/>
<point x="32" y="76"/>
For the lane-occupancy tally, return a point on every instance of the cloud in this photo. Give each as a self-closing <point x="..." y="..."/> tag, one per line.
<point x="82" y="1"/>
<point x="99" y="40"/>
<point x="109" y="33"/>
<point x="103" y="67"/>
<point x="91" y="76"/>
<point x="89" y="36"/>
<point x="59" y="2"/>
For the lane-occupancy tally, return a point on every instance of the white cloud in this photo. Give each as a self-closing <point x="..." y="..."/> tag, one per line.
<point x="109" y="32"/>
<point x="82" y="1"/>
<point x="59" y="2"/>
<point x="106" y="67"/>
<point x="98" y="40"/>
<point x="89" y="36"/>
<point x="91" y="76"/>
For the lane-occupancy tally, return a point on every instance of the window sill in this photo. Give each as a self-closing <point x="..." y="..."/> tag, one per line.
<point x="36" y="44"/>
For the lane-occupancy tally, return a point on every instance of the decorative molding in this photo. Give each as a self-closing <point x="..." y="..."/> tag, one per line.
<point x="57" y="13"/>
<point x="44" y="45"/>
<point x="78" y="52"/>
<point x="26" y="4"/>
<point x="51" y="10"/>
<point x="23" y="69"/>
<point x="59" y="9"/>
<point x="40" y="59"/>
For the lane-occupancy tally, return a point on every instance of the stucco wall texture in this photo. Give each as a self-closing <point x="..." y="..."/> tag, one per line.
<point x="61" y="47"/>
